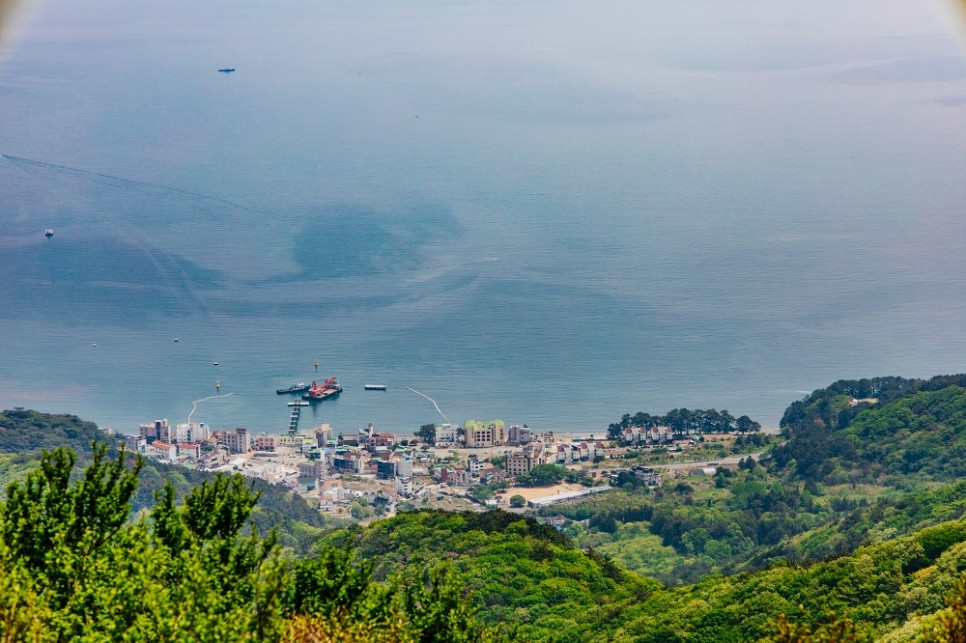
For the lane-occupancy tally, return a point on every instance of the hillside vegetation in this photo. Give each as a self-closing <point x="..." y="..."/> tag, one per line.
<point x="73" y="567"/>
<point x="25" y="433"/>
<point x="851" y="527"/>
<point x="519" y="571"/>
<point x="916" y="437"/>
<point x="849" y="471"/>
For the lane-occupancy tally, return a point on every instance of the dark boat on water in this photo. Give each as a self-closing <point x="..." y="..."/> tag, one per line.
<point x="328" y="388"/>
<point x="301" y="387"/>
<point x="375" y="387"/>
<point x="226" y="70"/>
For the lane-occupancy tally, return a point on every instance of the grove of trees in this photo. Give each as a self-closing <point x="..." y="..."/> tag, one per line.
<point x="683" y="422"/>
<point x="74" y="567"/>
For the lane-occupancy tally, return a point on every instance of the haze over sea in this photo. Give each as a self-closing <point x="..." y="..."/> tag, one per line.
<point x="548" y="212"/>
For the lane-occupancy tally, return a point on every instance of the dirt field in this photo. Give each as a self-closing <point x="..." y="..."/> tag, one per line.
<point x="530" y="493"/>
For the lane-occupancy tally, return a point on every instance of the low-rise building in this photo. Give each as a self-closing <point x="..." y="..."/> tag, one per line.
<point x="455" y="476"/>
<point x="648" y="435"/>
<point x="474" y="464"/>
<point x="323" y="433"/>
<point x="568" y="453"/>
<point x="567" y="496"/>
<point x="485" y="434"/>
<point x="388" y="469"/>
<point x="703" y="471"/>
<point x="519" y="435"/>
<point x="647" y="475"/>
<point x="404" y="486"/>
<point x="348" y="440"/>
<point x="489" y="474"/>
<point x="524" y="460"/>
<point x="164" y="450"/>
<point x="349" y="462"/>
<point x="299" y="441"/>
<point x="157" y="430"/>
<point x="265" y="442"/>
<point x="216" y="457"/>
<point x="445" y="434"/>
<point x="191" y="432"/>
<point x="237" y="442"/>
<point x="135" y="443"/>
<point x="385" y="469"/>
<point x="189" y="450"/>
<point x="376" y="440"/>
<point x="310" y="472"/>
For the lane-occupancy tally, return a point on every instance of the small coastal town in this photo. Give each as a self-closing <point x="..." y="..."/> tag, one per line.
<point x="477" y="466"/>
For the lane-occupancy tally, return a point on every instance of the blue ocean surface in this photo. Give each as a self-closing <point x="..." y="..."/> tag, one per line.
<point x="551" y="213"/>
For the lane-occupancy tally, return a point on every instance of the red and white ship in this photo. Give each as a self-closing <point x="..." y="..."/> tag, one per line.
<point x="318" y="392"/>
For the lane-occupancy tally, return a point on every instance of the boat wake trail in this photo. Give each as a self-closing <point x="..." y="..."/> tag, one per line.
<point x="431" y="400"/>
<point x="194" y="405"/>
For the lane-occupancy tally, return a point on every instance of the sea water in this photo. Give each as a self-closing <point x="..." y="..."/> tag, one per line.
<point x="548" y="212"/>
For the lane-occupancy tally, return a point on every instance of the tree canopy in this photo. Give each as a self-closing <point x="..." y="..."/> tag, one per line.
<point x="683" y="422"/>
<point x="73" y="567"/>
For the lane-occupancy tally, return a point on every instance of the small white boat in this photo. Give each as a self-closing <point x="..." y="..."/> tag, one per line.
<point x="375" y="387"/>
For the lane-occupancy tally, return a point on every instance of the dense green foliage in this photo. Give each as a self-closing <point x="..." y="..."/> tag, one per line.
<point x="685" y="421"/>
<point x="72" y="567"/>
<point x="852" y="528"/>
<point x="296" y="522"/>
<point x="520" y="572"/>
<point x="524" y="573"/>
<point x="24" y="431"/>
<point x="15" y="467"/>
<point x="919" y="434"/>
<point x="825" y="491"/>
<point x="832" y="404"/>
<point x="544" y="475"/>
<point x="427" y="433"/>
<point x="686" y="530"/>
<point x="884" y="588"/>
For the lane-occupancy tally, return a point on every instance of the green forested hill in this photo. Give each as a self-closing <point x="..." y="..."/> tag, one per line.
<point x="74" y="567"/>
<point x="918" y="437"/>
<point x="851" y="528"/>
<point x="24" y="433"/>
<point x="519" y="571"/>
<point x="850" y="471"/>
<point x="297" y="523"/>
<point x="883" y="588"/>
<point x="924" y="434"/>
